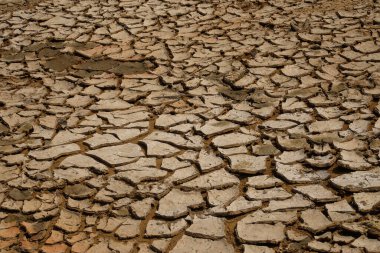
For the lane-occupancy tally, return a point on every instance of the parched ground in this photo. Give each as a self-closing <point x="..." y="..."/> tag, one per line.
<point x="204" y="126"/>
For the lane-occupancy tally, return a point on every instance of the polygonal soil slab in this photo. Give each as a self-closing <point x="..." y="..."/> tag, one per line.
<point x="118" y="155"/>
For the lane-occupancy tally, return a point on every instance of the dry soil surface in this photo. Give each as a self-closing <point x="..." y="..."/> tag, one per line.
<point x="141" y="126"/>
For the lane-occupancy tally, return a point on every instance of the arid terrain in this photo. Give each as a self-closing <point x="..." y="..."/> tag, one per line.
<point x="167" y="126"/>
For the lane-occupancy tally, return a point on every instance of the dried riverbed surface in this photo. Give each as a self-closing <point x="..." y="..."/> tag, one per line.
<point x="189" y="126"/>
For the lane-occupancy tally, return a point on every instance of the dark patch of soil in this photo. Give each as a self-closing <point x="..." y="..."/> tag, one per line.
<point x="14" y="5"/>
<point x="54" y="58"/>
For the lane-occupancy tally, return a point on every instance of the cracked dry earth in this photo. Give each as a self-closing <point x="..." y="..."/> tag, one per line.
<point x="189" y="126"/>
